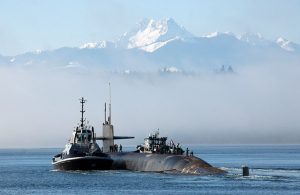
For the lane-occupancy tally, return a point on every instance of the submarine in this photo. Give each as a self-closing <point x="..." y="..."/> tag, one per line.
<point x="83" y="153"/>
<point x="155" y="155"/>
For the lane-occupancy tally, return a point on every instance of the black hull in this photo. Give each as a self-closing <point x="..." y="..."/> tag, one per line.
<point x="162" y="163"/>
<point x="84" y="163"/>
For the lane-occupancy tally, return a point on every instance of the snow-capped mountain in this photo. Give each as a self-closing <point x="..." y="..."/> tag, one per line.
<point x="155" y="44"/>
<point x="150" y="35"/>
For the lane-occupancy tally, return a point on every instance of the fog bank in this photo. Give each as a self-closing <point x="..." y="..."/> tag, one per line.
<point x="258" y="104"/>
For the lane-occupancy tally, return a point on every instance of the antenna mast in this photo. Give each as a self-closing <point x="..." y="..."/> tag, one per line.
<point x="105" y="121"/>
<point x="109" y="116"/>
<point x="82" y="101"/>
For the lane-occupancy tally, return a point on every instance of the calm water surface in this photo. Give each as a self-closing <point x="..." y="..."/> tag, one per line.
<point x="275" y="169"/>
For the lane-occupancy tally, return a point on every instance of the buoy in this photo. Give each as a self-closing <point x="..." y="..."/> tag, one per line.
<point x="245" y="171"/>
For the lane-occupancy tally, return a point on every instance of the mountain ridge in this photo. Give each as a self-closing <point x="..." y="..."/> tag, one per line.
<point x="157" y="44"/>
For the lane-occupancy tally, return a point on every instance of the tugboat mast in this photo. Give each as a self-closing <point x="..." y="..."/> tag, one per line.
<point x="82" y="101"/>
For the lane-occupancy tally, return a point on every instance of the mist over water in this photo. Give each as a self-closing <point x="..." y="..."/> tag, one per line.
<point x="257" y="104"/>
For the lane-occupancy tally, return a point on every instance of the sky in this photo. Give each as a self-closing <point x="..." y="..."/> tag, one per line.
<point x="28" y="25"/>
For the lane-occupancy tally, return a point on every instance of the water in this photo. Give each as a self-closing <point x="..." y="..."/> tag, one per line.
<point x="274" y="169"/>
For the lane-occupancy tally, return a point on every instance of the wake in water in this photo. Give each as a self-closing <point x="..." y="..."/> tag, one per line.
<point x="266" y="174"/>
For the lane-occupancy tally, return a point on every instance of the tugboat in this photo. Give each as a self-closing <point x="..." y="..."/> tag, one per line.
<point x="82" y="151"/>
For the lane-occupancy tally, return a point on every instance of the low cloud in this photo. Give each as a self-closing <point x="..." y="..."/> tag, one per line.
<point x="258" y="104"/>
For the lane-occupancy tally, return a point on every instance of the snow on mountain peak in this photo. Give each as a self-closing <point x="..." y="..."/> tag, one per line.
<point x="253" y="38"/>
<point x="171" y="69"/>
<point x="148" y="35"/>
<point x="284" y="44"/>
<point x="211" y="35"/>
<point x="216" y="34"/>
<point x="281" y="40"/>
<point x="37" y="51"/>
<point x="151" y="34"/>
<point x="101" y="44"/>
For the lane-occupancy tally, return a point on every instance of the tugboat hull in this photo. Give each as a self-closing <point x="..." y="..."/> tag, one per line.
<point x="84" y="163"/>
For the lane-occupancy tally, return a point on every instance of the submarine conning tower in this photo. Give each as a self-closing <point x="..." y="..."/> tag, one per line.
<point x="107" y="131"/>
<point x="108" y="135"/>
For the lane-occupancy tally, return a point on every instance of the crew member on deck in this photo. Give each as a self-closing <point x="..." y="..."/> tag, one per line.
<point x="116" y="148"/>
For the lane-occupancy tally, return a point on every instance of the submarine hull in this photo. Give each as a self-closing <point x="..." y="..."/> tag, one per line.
<point x="84" y="163"/>
<point x="162" y="163"/>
